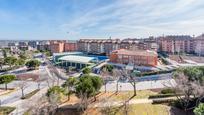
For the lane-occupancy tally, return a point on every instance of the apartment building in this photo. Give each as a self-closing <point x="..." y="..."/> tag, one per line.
<point x="111" y="45"/>
<point x="98" y="46"/>
<point x="106" y="46"/>
<point x="43" y="45"/>
<point x="33" y="44"/>
<point x="83" y="45"/>
<point x="70" y="46"/>
<point x="131" y="44"/>
<point x="57" y="46"/>
<point x="199" y="44"/>
<point x="176" y="44"/>
<point x="136" y="57"/>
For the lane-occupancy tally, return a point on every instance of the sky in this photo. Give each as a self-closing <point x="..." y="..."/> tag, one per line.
<point x="75" y="19"/>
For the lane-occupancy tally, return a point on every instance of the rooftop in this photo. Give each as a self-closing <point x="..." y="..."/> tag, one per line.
<point x="77" y="59"/>
<point x="138" y="52"/>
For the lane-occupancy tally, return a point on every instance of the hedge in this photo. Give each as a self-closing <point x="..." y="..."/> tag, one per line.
<point x="167" y="91"/>
<point x="156" y="72"/>
<point x="160" y="101"/>
<point x="162" y="95"/>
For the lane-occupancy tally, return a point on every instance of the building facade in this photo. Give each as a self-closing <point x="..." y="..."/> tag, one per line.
<point x="106" y="46"/>
<point x="139" y="57"/>
<point x="70" y="47"/>
<point x="176" y="44"/>
<point x="199" y="45"/>
<point x="57" y="46"/>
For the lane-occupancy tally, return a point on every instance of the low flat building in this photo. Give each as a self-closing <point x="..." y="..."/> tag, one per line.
<point x="137" y="57"/>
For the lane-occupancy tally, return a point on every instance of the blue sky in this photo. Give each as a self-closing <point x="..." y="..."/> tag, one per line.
<point x="74" y="19"/>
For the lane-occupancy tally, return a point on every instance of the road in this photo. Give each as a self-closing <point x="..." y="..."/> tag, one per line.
<point x="13" y="99"/>
<point x="140" y="85"/>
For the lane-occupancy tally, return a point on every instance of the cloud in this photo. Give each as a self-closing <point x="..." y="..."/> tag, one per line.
<point x="137" y="18"/>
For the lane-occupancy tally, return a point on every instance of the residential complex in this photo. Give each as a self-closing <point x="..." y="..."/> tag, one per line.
<point x="176" y="44"/>
<point x="139" y="57"/>
<point x="199" y="45"/>
<point x="106" y="46"/>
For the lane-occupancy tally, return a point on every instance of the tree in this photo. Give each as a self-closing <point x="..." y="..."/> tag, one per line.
<point x="23" y="56"/>
<point x="87" y="87"/>
<point x="33" y="64"/>
<point x="86" y="70"/>
<point x="109" y="68"/>
<point x="1" y="62"/>
<point x="97" y="84"/>
<point x="22" y="84"/>
<point x="131" y="77"/>
<point x="5" y="79"/>
<point x="5" y="52"/>
<point x="106" y="76"/>
<point x="55" y="91"/>
<point x="117" y="75"/>
<point x="199" y="110"/>
<point x="188" y="83"/>
<point x="69" y="86"/>
<point x="10" y="60"/>
<point x="20" y="62"/>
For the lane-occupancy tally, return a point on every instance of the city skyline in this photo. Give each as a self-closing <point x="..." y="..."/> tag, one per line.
<point x="75" y="19"/>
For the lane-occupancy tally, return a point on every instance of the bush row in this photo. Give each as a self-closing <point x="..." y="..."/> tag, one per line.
<point x="156" y="72"/>
<point x="161" y="101"/>
<point x="161" y="96"/>
<point x="167" y="91"/>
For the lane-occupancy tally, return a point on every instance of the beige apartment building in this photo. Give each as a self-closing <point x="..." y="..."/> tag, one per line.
<point x="106" y="46"/>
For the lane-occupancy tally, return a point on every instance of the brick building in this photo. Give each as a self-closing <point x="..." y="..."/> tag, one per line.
<point x="57" y="46"/>
<point x="137" y="57"/>
<point x="176" y="44"/>
<point x="70" y="46"/>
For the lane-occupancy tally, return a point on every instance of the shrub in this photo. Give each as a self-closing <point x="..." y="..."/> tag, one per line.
<point x="161" y="96"/>
<point x="167" y="91"/>
<point x="160" y="101"/>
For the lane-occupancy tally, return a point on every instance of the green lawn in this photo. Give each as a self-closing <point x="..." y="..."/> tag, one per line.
<point x="4" y="110"/>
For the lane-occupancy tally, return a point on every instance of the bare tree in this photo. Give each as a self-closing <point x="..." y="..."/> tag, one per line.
<point x="22" y="84"/>
<point x="84" y="102"/>
<point x="39" y="81"/>
<point x="116" y="75"/>
<point x="106" y="76"/>
<point x="131" y="77"/>
<point x="44" y="105"/>
<point x="186" y="90"/>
